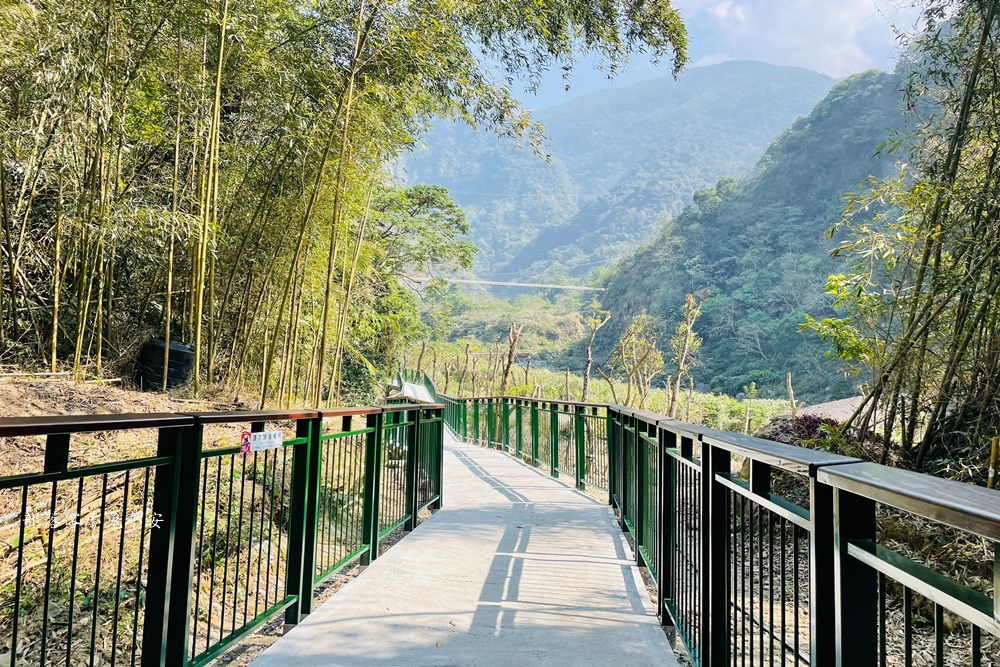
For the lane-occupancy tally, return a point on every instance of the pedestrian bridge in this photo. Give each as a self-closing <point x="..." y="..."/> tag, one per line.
<point x="533" y="532"/>
<point x="515" y="569"/>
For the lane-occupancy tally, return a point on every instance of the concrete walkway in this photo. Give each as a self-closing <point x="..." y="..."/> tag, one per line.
<point x="516" y="569"/>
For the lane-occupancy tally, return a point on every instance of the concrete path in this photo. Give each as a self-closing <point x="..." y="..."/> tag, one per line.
<point x="517" y="569"/>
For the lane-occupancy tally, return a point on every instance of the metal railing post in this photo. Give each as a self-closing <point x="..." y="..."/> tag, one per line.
<point x="475" y="422"/>
<point x="641" y="468"/>
<point x="438" y="446"/>
<point x="855" y="583"/>
<point x="714" y="512"/>
<point x="665" y="589"/>
<point x="534" y="433"/>
<point x="295" y="573"/>
<point x="519" y="425"/>
<point x="171" y="563"/>
<point x="412" y="464"/>
<point x="612" y="457"/>
<point x="554" y="440"/>
<point x="579" y="433"/>
<point x="490" y="425"/>
<point x="505" y="415"/>
<point x="370" y="508"/>
<point x="822" y="605"/>
<point x="312" y="513"/>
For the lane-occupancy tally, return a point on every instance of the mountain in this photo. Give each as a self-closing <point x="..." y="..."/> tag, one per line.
<point x="757" y="250"/>
<point x="621" y="161"/>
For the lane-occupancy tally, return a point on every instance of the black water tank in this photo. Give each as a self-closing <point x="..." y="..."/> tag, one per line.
<point x="149" y="365"/>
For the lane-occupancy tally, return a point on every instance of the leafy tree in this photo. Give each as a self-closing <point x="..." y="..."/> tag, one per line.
<point x="685" y="345"/>
<point x="597" y="319"/>
<point x="636" y="359"/>
<point x="215" y="172"/>
<point x="918" y="306"/>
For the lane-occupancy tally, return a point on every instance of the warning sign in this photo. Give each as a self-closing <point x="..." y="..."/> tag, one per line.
<point x="255" y="442"/>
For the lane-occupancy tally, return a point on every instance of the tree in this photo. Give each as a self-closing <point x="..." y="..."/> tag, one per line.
<point x="917" y="306"/>
<point x="635" y="358"/>
<point x="597" y="319"/>
<point x="214" y="172"/>
<point x="685" y="345"/>
<point x="512" y="337"/>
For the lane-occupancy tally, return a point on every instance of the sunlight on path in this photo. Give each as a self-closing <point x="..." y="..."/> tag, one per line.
<point x="516" y="569"/>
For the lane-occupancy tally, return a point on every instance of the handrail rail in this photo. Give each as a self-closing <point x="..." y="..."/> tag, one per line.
<point x="224" y="538"/>
<point x="725" y="548"/>
<point x="969" y="508"/>
<point x="54" y="424"/>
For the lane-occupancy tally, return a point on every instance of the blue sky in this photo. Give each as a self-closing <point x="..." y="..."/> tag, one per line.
<point x="836" y="37"/>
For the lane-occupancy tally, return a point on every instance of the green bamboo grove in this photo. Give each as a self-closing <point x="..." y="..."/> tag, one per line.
<point x="223" y="172"/>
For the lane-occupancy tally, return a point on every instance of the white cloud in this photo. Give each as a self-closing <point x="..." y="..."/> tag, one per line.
<point x="727" y="9"/>
<point x="837" y="37"/>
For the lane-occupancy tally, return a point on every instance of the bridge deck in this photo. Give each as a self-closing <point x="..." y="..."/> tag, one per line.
<point x="516" y="569"/>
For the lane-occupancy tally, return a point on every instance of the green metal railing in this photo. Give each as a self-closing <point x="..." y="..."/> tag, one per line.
<point x="568" y="440"/>
<point x="764" y="553"/>
<point x="186" y="542"/>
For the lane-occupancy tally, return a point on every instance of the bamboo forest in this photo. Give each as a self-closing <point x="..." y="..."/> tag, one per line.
<point x="221" y="173"/>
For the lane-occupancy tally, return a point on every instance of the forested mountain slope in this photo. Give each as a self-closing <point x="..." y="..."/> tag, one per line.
<point x="758" y="249"/>
<point x="620" y="161"/>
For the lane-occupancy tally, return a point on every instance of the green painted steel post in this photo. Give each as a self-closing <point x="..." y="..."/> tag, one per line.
<point x="822" y="592"/>
<point x="491" y="436"/>
<point x="506" y="423"/>
<point x="641" y="468"/>
<point x="411" y="472"/>
<point x="370" y="507"/>
<point x="855" y="583"/>
<point x="182" y="570"/>
<point x="714" y="571"/>
<point x="580" y="432"/>
<point x="171" y="548"/>
<point x="609" y="429"/>
<point x="554" y="441"/>
<point x="665" y="588"/>
<point x="295" y="574"/>
<point x="519" y="425"/>
<point x="475" y="422"/>
<point x="534" y="433"/>
<point x="438" y="446"/>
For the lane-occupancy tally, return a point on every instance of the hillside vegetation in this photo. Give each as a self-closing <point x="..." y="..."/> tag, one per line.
<point x="756" y="251"/>
<point x="621" y="160"/>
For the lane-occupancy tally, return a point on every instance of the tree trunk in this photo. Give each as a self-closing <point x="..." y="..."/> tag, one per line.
<point x="513" y="336"/>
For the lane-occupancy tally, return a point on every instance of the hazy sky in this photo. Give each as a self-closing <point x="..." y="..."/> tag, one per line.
<point x="836" y="37"/>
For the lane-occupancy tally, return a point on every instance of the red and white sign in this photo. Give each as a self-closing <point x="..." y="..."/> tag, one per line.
<point x="255" y="442"/>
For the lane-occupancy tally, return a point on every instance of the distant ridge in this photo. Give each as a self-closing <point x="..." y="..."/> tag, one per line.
<point x="622" y="159"/>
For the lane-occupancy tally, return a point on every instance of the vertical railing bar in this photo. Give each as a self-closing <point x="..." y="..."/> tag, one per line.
<point x="229" y="525"/>
<point x="260" y="531"/>
<point x="97" y="566"/>
<point x="154" y="592"/>
<point x="118" y="575"/>
<point x="138" y="572"/>
<point x="882" y="593"/>
<point x="907" y="626"/>
<point x="239" y="537"/>
<point x="56" y="460"/>
<point x="17" y="586"/>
